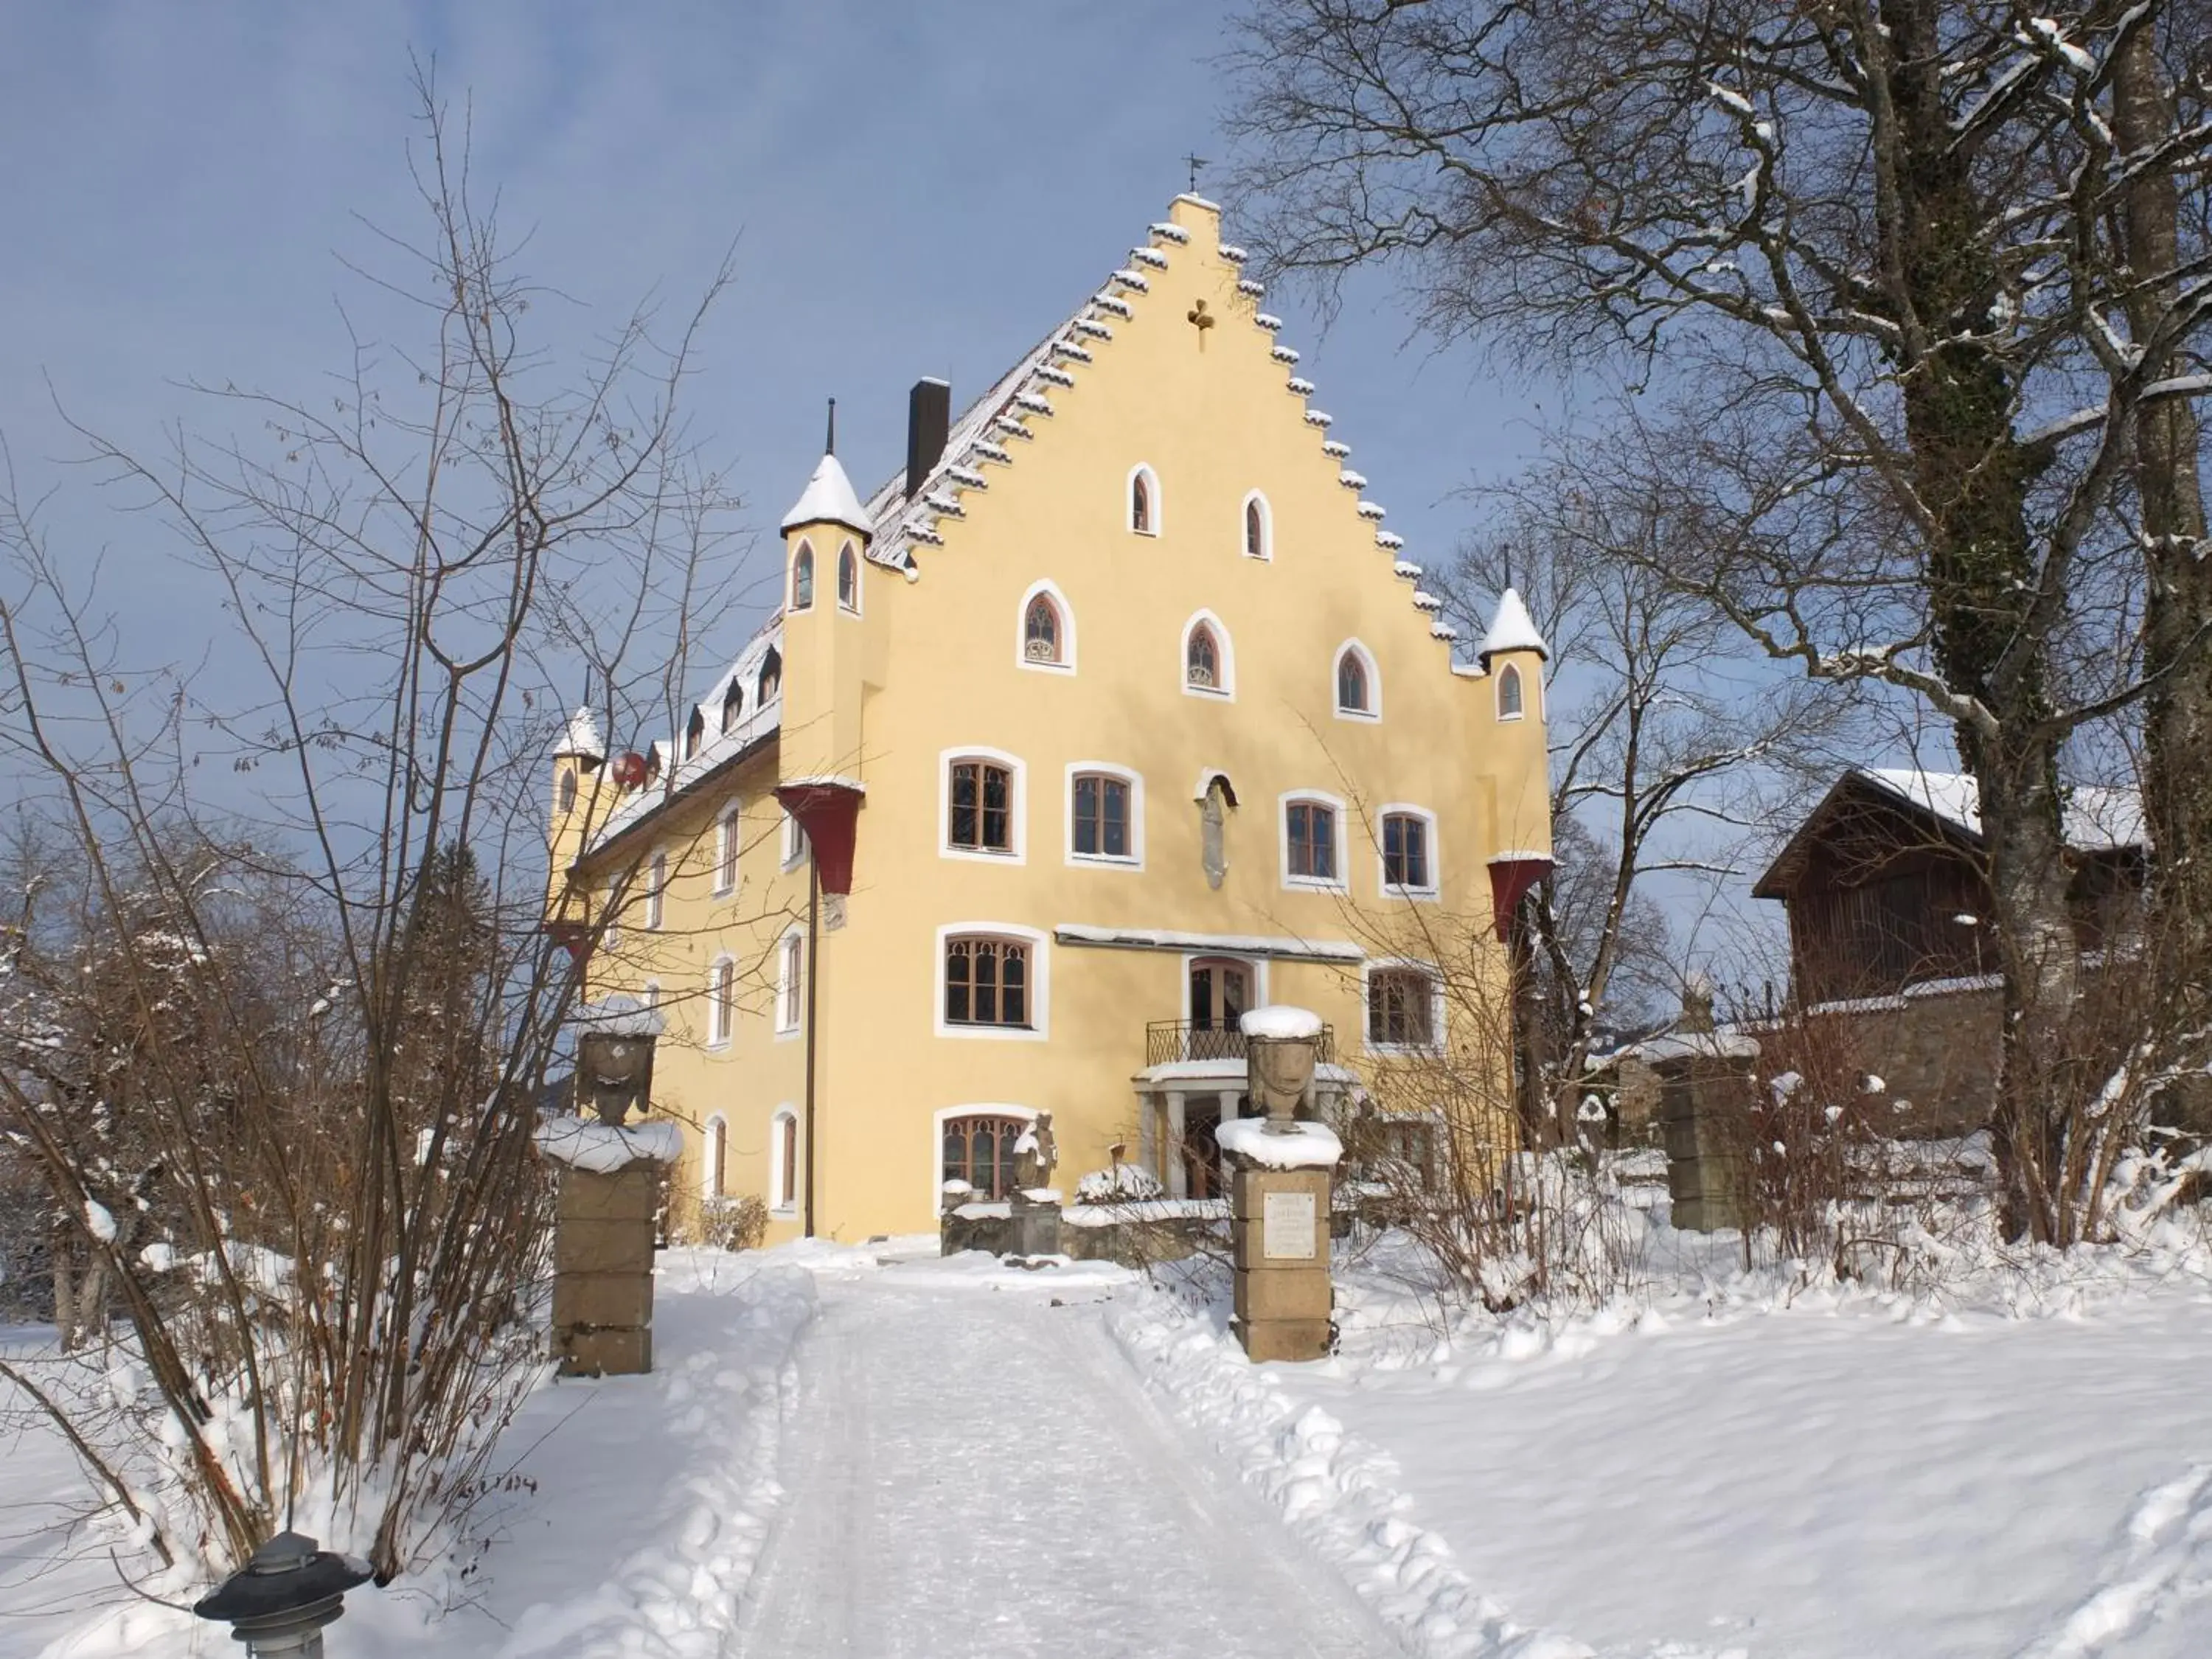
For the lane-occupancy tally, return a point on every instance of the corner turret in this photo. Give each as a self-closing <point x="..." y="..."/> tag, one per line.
<point x="1513" y="656"/>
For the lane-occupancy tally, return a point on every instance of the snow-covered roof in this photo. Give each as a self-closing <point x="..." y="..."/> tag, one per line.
<point x="829" y="498"/>
<point x="582" y="736"/>
<point x="1512" y="628"/>
<point x="721" y="742"/>
<point x="2096" y="819"/>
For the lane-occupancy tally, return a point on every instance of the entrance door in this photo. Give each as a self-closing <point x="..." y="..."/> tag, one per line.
<point x="1201" y="1152"/>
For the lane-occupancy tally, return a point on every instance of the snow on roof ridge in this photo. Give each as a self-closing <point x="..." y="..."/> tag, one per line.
<point x="1512" y="628"/>
<point x="2098" y="817"/>
<point x="829" y="498"/>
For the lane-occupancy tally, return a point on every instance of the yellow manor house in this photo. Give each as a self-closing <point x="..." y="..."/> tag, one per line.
<point x="1115" y="713"/>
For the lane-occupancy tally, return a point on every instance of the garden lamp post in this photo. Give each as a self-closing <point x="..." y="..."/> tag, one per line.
<point x="279" y="1601"/>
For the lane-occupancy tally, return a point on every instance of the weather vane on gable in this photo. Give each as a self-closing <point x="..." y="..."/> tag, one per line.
<point x="1196" y="161"/>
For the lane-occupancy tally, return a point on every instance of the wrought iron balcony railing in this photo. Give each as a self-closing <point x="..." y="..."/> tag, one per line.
<point x="1180" y="1041"/>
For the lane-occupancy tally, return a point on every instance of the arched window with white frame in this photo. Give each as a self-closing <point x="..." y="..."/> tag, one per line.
<point x="783" y="1159"/>
<point x="848" y="578"/>
<point x="722" y="1001"/>
<point x="802" y="577"/>
<point x="1405" y="1003"/>
<point x="1357" y="688"/>
<point x="790" y="982"/>
<point x="993" y="980"/>
<point x="714" y="1160"/>
<point x="656" y="892"/>
<point x="1105" y="814"/>
<point x="982" y="805"/>
<point x="1509" y="692"/>
<point x="1405" y="839"/>
<point x="729" y="840"/>
<point x="1209" y="660"/>
<point x="1143" y="501"/>
<point x="1312" y="827"/>
<point x="1047" y="624"/>
<point x="1258" y="527"/>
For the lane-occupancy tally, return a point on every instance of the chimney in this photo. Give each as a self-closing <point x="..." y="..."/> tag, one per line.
<point x="928" y="420"/>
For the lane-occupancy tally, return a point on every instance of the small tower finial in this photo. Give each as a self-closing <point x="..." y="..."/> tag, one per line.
<point x="830" y="444"/>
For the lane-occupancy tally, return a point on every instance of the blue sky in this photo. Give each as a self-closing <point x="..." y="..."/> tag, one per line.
<point x="911" y="190"/>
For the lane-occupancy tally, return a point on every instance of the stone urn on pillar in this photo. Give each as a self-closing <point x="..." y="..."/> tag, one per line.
<point x="1278" y="1193"/>
<point x="609" y="1172"/>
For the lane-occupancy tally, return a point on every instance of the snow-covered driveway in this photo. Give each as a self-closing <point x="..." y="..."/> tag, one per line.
<point x="978" y="1472"/>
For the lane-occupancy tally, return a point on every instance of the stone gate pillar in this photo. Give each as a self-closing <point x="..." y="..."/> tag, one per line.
<point x="1281" y="1175"/>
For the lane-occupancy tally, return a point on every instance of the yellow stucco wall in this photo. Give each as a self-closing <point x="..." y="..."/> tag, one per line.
<point x="934" y="664"/>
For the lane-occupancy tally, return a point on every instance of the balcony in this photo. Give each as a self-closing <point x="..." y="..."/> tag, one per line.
<point x="1181" y="1043"/>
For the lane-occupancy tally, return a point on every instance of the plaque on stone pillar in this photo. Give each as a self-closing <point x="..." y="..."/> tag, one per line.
<point x="1286" y="1227"/>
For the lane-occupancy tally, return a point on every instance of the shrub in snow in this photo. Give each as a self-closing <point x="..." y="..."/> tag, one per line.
<point x="1124" y="1183"/>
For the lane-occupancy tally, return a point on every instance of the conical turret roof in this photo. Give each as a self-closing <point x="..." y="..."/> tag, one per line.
<point x="829" y="498"/>
<point x="1512" y="628"/>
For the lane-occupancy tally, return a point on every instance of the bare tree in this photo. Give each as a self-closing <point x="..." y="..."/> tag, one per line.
<point x="1861" y="250"/>
<point x="1665" y="750"/>
<point x="295" y="1137"/>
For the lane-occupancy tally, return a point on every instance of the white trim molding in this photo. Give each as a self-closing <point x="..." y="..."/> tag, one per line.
<point x="779" y="1207"/>
<point x="1373" y="712"/>
<point x="1374" y="965"/>
<point x="1134" y="859"/>
<point x="1017" y="807"/>
<point x="1039" y="986"/>
<point x="1336" y="884"/>
<point x="944" y="1114"/>
<point x="1155" y="514"/>
<point x="1429" y="890"/>
<point x="1226" y="654"/>
<point x="1276" y="947"/>
<point x="1065" y="662"/>
<point x="1267" y="553"/>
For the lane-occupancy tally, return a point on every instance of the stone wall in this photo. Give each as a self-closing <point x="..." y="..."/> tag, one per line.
<point x="1935" y="1050"/>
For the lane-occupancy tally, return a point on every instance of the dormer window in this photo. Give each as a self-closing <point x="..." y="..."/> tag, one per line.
<point x="802" y="578"/>
<point x="771" y="678"/>
<point x="733" y="706"/>
<point x="848" y="578"/>
<point x="694" y="731"/>
<point x="1509" y="693"/>
<point x="1144" y="501"/>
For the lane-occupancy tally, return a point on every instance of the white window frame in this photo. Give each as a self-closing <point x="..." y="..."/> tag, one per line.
<point x="806" y="549"/>
<point x="649" y="994"/>
<point x="610" y="935"/>
<point x="1382" y="883"/>
<point x="1267" y="553"/>
<point x="1255" y="966"/>
<point x="790" y="986"/>
<point x="1521" y="690"/>
<point x="860" y="577"/>
<point x="715" y="1127"/>
<point x="1284" y="802"/>
<point x="1435" y="1045"/>
<point x="1373" y="712"/>
<point x="779" y="1178"/>
<point x="1018" y="822"/>
<point x="656" y="891"/>
<point x="729" y="846"/>
<point x="1156" y="500"/>
<point x="721" y="1005"/>
<point x="792" y="850"/>
<point x="1050" y="590"/>
<point x="1040" y="982"/>
<point x="1224" y="692"/>
<point x="944" y="1114"/>
<point x="1135" y="858"/>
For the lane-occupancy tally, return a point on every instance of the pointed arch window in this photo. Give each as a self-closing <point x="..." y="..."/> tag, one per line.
<point x="567" y="789"/>
<point x="1509" y="693"/>
<point x="1353" y="694"/>
<point x="715" y="1172"/>
<point x="1144" y="501"/>
<point x="802" y="578"/>
<point x="1209" y="663"/>
<point x="848" y="578"/>
<point x="1041" y="631"/>
<point x="1259" y="527"/>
